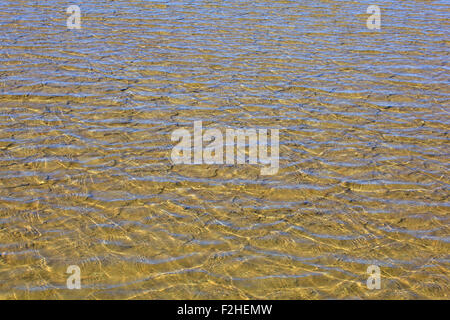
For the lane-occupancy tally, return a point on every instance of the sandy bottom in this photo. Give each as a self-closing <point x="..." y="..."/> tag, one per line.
<point x="86" y="178"/>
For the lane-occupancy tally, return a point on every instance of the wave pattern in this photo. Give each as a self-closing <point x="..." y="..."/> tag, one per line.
<point x="85" y="123"/>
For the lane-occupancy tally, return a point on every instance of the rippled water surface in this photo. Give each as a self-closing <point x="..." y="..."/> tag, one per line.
<point x="85" y="123"/>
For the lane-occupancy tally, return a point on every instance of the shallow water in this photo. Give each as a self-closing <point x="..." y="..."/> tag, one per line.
<point x="85" y="123"/>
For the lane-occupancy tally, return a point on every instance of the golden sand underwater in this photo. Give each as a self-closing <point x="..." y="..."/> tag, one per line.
<point x="86" y="117"/>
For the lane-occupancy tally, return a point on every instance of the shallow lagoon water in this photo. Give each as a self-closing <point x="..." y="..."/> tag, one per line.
<point x="86" y="179"/>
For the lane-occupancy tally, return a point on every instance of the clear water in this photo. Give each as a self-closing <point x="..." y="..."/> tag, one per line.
<point x="85" y="123"/>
